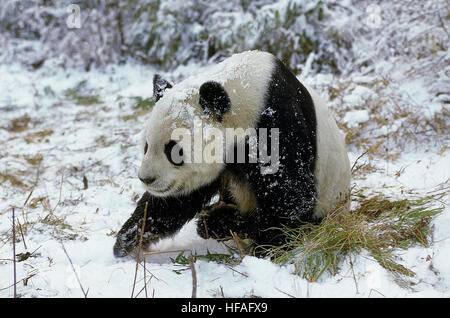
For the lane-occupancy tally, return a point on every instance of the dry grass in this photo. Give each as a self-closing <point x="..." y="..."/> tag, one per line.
<point x="38" y="136"/>
<point x="12" y="179"/>
<point x="19" y="124"/>
<point x="379" y="225"/>
<point x="394" y="120"/>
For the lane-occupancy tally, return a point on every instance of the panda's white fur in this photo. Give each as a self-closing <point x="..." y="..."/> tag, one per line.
<point x="332" y="169"/>
<point x="245" y="77"/>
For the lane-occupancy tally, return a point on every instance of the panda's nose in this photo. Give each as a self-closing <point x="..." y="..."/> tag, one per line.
<point x="148" y="180"/>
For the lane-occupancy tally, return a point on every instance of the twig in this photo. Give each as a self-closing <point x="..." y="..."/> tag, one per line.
<point x="144" y="288"/>
<point x="21" y="233"/>
<point x="14" y="250"/>
<point x="206" y="227"/>
<point x="353" y="273"/>
<point x="194" y="275"/>
<point x="139" y="248"/>
<point x="30" y="275"/>
<point x="287" y="294"/>
<point x="24" y="280"/>
<point x="28" y="198"/>
<point x="243" y="274"/>
<point x="376" y="292"/>
<point x="85" y="183"/>
<point x="356" y="161"/>
<point x="85" y="293"/>
<point x="35" y="183"/>
<point x="50" y="214"/>
<point x="236" y="240"/>
<point x="145" y="281"/>
<point x="71" y="264"/>
<point x="351" y="264"/>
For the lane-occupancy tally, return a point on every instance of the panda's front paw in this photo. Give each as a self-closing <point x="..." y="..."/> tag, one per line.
<point x="119" y="251"/>
<point x="123" y="247"/>
<point x="218" y="222"/>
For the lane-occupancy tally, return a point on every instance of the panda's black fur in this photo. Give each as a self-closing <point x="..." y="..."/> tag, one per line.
<point x="290" y="201"/>
<point x="285" y="198"/>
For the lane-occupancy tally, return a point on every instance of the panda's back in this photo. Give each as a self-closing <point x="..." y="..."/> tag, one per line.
<point x="313" y="174"/>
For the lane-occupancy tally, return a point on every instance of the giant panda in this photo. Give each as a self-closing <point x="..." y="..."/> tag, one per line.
<point x="255" y="90"/>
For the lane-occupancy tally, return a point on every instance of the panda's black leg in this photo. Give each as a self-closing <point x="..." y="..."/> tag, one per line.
<point x="165" y="216"/>
<point x="218" y="221"/>
<point x="264" y="229"/>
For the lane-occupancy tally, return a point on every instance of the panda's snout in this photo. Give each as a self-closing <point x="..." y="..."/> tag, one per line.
<point x="148" y="180"/>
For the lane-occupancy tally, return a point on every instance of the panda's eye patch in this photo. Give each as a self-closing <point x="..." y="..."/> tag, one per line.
<point x="174" y="153"/>
<point x="145" y="148"/>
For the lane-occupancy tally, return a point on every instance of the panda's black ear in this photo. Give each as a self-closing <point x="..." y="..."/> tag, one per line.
<point x="214" y="99"/>
<point x="159" y="86"/>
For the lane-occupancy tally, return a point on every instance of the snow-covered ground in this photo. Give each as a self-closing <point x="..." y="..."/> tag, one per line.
<point x="99" y="142"/>
<point x="69" y="155"/>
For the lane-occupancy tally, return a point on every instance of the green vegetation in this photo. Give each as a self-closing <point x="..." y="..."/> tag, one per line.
<point x="82" y="95"/>
<point x="228" y="259"/>
<point x="143" y="103"/>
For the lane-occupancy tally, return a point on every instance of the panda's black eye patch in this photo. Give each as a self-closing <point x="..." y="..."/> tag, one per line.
<point x="174" y="153"/>
<point x="145" y="148"/>
<point x="214" y="99"/>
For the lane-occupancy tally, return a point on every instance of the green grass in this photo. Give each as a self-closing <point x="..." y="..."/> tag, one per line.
<point x="379" y="225"/>
<point x="82" y="95"/>
<point x="140" y="106"/>
<point x="143" y="103"/>
<point x="220" y="258"/>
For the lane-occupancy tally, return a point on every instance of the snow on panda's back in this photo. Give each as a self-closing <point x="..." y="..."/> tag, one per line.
<point x="245" y="77"/>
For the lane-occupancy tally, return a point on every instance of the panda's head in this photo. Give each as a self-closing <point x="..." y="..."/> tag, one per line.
<point x="165" y="168"/>
<point x="226" y="95"/>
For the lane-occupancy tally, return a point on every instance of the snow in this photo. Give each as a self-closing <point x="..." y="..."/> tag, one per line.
<point x="95" y="142"/>
<point x="93" y="213"/>
<point x="356" y="117"/>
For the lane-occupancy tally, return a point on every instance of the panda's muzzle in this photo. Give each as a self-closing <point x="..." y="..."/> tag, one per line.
<point x="147" y="180"/>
